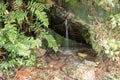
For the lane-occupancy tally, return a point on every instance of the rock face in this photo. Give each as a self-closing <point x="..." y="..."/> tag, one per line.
<point x="79" y="71"/>
<point x="59" y="16"/>
<point x="83" y="26"/>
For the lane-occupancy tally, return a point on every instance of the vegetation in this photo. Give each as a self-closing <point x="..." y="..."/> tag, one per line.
<point x="107" y="35"/>
<point x="23" y="27"/>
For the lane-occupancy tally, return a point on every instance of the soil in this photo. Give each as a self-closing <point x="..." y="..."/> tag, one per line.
<point x="83" y="64"/>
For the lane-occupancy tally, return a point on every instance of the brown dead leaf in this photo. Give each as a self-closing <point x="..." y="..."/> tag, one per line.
<point x="37" y="79"/>
<point x="24" y="73"/>
<point x="59" y="65"/>
<point x="20" y="75"/>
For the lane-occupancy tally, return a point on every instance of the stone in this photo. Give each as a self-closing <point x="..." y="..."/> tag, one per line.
<point x="90" y="63"/>
<point x="79" y="71"/>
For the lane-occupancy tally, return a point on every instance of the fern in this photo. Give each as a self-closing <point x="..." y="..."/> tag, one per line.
<point x="17" y="4"/>
<point x="32" y="6"/>
<point x="11" y="39"/>
<point x="42" y="20"/>
<point x="37" y="9"/>
<point x="20" y="16"/>
<point x="50" y="39"/>
<point x="17" y="43"/>
<point x="2" y="9"/>
<point x="13" y="35"/>
<point x="43" y="17"/>
<point x="10" y="33"/>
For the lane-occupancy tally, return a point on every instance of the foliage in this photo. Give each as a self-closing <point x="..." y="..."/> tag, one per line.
<point x="115" y="20"/>
<point x="112" y="49"/>
<point x="50" y="40"/>
<point x="109" y="5"/>
<point x="15" y="42"/>
<point x="14" y="62"/>
<point x="21" y="21"/>
<point x="37" y="9"/>
<point x="112" y="43"/>
<point x="106" y="33"/>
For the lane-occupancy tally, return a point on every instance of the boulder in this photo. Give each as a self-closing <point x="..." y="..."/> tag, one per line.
<point x="79" y="71"/>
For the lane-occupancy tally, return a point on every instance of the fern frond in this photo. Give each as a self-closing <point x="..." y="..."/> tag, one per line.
<point x="42" y="17"/>
<point x="32" y="6"/>
<point x="50" y="39"/>
<point x="10" y="32"/>
<point x="2" y="9"/>
<point x="17" y="4"/>
<point x="38" y="10"/>
<point x="15" y="42"/>
<point x="37" y="26"/>
<point x="2" y="39"/>
<point x="20" y="16"/>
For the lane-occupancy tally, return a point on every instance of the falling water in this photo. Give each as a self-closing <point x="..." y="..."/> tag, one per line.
<point x="67" y="48"/>
<point x="67" y="35"/>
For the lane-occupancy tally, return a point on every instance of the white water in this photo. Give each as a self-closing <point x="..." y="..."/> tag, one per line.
<point x="67" y="48"/>
<point x="67" y="35"/>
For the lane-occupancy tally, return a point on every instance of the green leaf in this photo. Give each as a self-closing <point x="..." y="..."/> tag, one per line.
<point x="51" y="41"/>
<point x="42" y="17"/>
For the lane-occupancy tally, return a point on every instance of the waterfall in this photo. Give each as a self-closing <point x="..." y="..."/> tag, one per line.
<point x="67" y="48"/>
<point x="67" y="35"/>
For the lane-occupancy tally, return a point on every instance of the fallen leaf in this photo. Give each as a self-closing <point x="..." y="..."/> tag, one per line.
<point x="37" y="79"/>
<point x="59" y="65"/>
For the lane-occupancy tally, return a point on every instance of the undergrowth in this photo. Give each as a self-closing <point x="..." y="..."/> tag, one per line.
<point x="106" y="29"/>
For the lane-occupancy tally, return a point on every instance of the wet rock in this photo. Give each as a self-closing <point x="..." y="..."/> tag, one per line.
<point x="79" y="71"/>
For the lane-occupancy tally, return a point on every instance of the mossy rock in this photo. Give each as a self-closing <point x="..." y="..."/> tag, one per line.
<point x="61" y="41"/>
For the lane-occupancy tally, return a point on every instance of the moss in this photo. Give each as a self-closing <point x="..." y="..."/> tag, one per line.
<point x="61" y="40"/>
